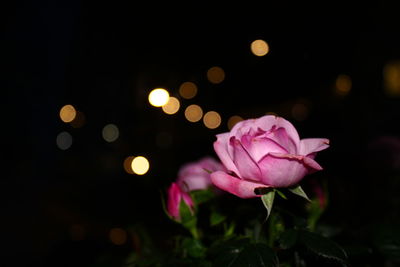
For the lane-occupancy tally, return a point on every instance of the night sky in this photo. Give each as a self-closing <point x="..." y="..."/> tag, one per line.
<point x="105" y="58"/>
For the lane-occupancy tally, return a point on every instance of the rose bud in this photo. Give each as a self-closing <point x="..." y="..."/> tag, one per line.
<point x="175" y="196"/>
<point x="196" y="175"/>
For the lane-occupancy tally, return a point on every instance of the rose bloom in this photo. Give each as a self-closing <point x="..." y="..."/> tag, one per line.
<point x="175" y="196"/>
<point x="196" y="175"/>
<point x="264" y="152"/>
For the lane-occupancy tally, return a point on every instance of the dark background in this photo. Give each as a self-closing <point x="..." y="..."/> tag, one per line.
<point x="104" y="58"/>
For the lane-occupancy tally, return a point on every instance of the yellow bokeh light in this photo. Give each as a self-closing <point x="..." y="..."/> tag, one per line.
<point x="233" y="120"/>
<point x="343" y="84"/>
<point x="193" y="113"/>
<point x="212" y="119"/>
<point x="188" y="90"/>
<point x="216" y="75"/>
<point x="391" y="78"/>
<point x="118" y="236"/>
<point x="128" y="164"/>
<point x="172" y="106"/>
<point x="158" y="97"/>
<point x="67" y="113"/>
<point x="259" y="48"/>
<point x="140" y="165"/>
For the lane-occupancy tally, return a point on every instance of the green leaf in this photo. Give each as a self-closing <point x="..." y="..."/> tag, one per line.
<point x="297" y="190"/>
<point x="201" y="196"/>
<point x="216" y="218"/>
<point x="229" y="230"/>
<point x="281" y="194"/>
<point x="255" y="255"/>
<point x="322" y="246"/>
<point x="188" y="219"/>
<point x="288" y="239"/>
<point x="268" y="201"/>
<point x="193" y="248"/>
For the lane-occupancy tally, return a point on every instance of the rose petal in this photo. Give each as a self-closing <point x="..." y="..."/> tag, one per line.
<point x="279" y="170"/>
<point x="311" y="145"/>
<point x="242" y="127"/>
<point x="221" y="148"/>
<point x="194" y="182"/>
<point x="290" y="130"/>
<point x="260" y="146"/>
<point x="234" y="185"/>
<point x="281" y="137"/>
<point x="247" y="167"/>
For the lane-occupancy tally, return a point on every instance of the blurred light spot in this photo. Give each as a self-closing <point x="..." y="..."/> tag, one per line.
<point x="193" y="113"/>
<point x="67" y="113"/>
<point x="233" y="120"/>
<point x="110" y="133"/>
<point x="188" y="90"/>
<point x="215" y="75"/>
<point x="164" y="140"/>
<point x="128" y="164"/>
<point x="172" y="106"/>
<point x="158" y="97"/>
<point x="212" y="119"/>
<point x="391" y="77"/>
<point x="77" y="232"/>
<point x="300" y="111"/>
<point x="140" y="165"/>
<point x="79" y="120"/>
<point x="259" y="48"/>
<point x="64" y="140"/>
<point x="118" y="236"/>
<point x="343" y="84"/>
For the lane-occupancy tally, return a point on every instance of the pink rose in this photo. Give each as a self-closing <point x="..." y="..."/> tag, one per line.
<point x="196" y="175"/>
<point x="175" y="196"/>
<point x="264" y="152"/>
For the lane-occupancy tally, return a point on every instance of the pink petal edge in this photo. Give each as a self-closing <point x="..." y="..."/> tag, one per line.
<point x="234" y="185"/>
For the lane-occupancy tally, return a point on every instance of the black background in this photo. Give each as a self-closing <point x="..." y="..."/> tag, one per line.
<point x="104" y="58"/>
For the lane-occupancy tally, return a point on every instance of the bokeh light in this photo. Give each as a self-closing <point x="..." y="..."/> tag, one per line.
<point x="67" y="113"/>
<point x="212" y="119"/>
<point x="300" y="111"/>
<point x="391" y="78"/>
<point x="259" y="48"/>
<point x="79" y="120"/>
<point x="64" y="140"/>
<point x="188" y="90"/>
<point x="193" y="113"/>
<point x="172" y="106"/>
<point x="233" y="120"/>
<point x="110" y="132"/>
<point x="215" y="75"/>
<point x="118" y="236"/>
<point x="140" y="165"/>
<point x="128" y="164"/>
<point x="158" y="97"/>
<point x="343" y="84"/>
